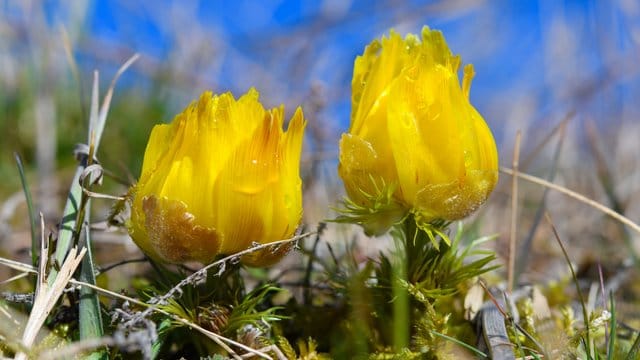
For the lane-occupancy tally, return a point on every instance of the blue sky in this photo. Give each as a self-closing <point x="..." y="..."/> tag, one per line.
<point x="534" y="60"/>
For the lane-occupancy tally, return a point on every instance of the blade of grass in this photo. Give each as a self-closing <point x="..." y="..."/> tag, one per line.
<point x="74" y="213"/>
<point x="89" y="308"/>
<point x="90" y="319"/>
<point x="635" y="349"/>
<point x="32" y="215"/>
<point x="585" y="314"/>
<point x="525" y="249"/>
<point x="514" y="214"/>
<point x="602" y="169"/>
<point x="77" y="210"/>
<point x="106" y="102"/>
<point x="541" y="145"/>
<point x="607" y="182"/>
<point x="73" y="65"/>
<point x="611" y="349"/>
<point x="460" y="343"/>
<point x="604" y="304"/>
<point x="73" y="210"/>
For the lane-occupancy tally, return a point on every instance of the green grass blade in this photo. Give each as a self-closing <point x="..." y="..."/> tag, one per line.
<point x="585" y="314"/>
<point x="35" y="246"/>
<point x="634" y="352"/>
<point x="77" y="211"/>
<point x="460" y="343"/>
<point x="613" y="330"/>
<point x="90" y="323"/>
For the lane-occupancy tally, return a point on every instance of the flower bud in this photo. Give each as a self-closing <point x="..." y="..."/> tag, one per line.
<point x="415" y="139"/>
<point x="220" y="178"/>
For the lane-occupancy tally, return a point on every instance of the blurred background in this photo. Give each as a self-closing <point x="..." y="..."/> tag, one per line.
<point x="538" y="64"/>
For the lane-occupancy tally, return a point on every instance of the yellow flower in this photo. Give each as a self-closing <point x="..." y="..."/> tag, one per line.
<point x="415" y="143"/>
<point x="218" y="179"/>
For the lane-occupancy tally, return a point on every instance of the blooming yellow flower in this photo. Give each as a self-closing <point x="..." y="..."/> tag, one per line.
<point x="218" y="179"/>
<point x="415" y="140"/>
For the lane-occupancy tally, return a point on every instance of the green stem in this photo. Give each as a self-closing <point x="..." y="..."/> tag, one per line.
<point x="400" y="307"/>
<point x="401" y="322"/>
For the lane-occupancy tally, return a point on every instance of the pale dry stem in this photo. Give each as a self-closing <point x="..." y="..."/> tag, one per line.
<point x="514" y="214"/>
<point x="575" y="195"/>
<point x="47" y="296"/>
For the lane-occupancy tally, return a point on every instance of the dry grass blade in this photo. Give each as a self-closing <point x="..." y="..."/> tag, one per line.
<point x="47" y="296"/>
<point x="14" y="278"/>
<point x="514" y="215"/>
<point x="97" y="123"/>
<point x="536" y="180"/>
<point x="604" y="174"/>
<point x="525" y="248"/>
<point x="16" y="265"/>
<point x="68" y="52"/>
<point x="606" y="179"/>
<point x="560" y="127"/>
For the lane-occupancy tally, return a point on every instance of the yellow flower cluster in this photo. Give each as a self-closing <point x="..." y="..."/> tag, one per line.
<point x="224" y="175"/>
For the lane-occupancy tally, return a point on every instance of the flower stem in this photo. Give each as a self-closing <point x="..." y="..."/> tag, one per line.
<point x="400" y="303"/>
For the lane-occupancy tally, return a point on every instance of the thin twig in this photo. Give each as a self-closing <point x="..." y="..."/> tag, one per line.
<point x="104" y="269"/>
<point x="514" y="213"/>
<point x="220" y="263"/>
<point x="96" y="195"/>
